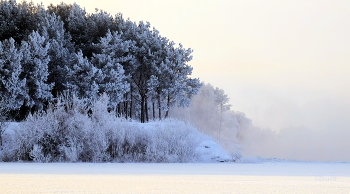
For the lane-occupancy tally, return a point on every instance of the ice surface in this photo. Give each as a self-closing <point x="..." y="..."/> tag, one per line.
<point x="260" y="177"/>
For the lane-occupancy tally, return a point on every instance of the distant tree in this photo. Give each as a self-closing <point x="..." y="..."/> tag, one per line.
<point x="221" y="99"/>
<point x="227" y="127"/>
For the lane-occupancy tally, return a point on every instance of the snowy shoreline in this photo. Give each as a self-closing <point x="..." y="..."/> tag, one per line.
<point x="201" y="178"/>
<point x="250" y="169"/>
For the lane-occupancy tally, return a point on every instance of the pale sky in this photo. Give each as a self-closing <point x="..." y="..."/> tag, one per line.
<point x="283" y="63"/>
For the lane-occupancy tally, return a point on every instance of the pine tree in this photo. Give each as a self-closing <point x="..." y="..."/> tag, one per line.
<point x="61" y="51"/>
<point x="35" y="70"/>
<point x="145" y="52"/>
<point x="100" y="23"/>
<point x="83" y="78"/>
<point x="17" y="20"/>
<point x="77" y="27"/>
<point x="12" y="87"/>
<point x="114" y="52"/>
<point x="173" y="73"/>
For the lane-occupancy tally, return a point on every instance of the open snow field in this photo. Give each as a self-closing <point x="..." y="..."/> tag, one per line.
<point x="261" y="177"/>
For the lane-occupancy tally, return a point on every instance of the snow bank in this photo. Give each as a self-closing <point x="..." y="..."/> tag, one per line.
<point x="179" y="132"/>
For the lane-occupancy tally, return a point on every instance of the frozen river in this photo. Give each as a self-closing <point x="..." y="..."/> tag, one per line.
<point x="265" y="177"/>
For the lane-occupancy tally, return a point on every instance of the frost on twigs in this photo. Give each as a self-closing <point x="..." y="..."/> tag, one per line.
<point x="71" y="131"/>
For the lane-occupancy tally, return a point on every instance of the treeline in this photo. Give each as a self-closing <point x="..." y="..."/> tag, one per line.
<point x="61" y="49"/>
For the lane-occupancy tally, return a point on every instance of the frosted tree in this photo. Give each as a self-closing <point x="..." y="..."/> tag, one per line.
<point x="221" y="99"/>
<point x="143" y="66"/>
<point x="12" y="87"/>
<point x="60" y="51"/>
<point x="114" y="52"/>
<point x="78" y="28"/>
<point x="148" y="52"/>
<point x="99" y="24"/>
<point x="17" y="20"/>
<point x="174" y="72"/>
<point x="77" y="24"/>
<point x="83" y="78"/>
<point x="160" y="71"/>
<point x="3" y="119"/>
<point x="35" y="70"/>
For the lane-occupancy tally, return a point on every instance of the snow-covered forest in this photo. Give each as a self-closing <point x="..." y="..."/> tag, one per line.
<point x="79" y="84"/>
<point x="48" y="52"/>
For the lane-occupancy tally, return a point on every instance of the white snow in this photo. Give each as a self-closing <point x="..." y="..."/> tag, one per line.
<point x="261" y="177"/>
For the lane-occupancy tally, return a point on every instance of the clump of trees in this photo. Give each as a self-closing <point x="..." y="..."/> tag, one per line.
<point x="47" y="52"/>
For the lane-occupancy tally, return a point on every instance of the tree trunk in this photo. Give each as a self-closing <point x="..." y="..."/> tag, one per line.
<point x="131" y="104"/>
<point x="2" y="131"/>
<point x="126" y="108"/>
<point x="167" y="111"/>
<point x="142" y="119"/>
<point x="118" y="110"/>
<point x="159" y="109"/>
<point x="153" y="111"/>
<point x="146" y="109"/>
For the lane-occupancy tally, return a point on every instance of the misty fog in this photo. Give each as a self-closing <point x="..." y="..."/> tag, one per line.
<point x="295" y="134"/>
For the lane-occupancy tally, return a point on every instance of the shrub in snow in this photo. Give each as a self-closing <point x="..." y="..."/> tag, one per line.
<point x="56" y="135"/>
<point x="70" y="131"/>
<point x="172" y="141"/>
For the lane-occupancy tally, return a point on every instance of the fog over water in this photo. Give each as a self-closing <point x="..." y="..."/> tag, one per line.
<point x="285" y="64"/>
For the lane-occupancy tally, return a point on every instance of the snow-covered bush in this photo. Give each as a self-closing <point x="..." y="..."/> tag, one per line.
<point x="70" y="131"/>
<point x="173" y="141"/>
<point x="60" y="129"/>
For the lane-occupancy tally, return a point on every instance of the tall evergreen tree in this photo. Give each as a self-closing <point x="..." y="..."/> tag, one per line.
<point x="114" y="52"/>
<point x="35" y="70"/>
<point x="83" y="78"/>
<point x="181" y="87"/>
<point x="61" y="51"/>
<point x="12" y="87"/>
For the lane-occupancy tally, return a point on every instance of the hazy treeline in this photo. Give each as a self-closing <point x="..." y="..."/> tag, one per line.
<point x="48" y="52"/>
<point x="211" y="113"/>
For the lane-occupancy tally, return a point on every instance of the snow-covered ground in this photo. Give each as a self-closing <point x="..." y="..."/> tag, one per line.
<point x="260" y="177"/>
